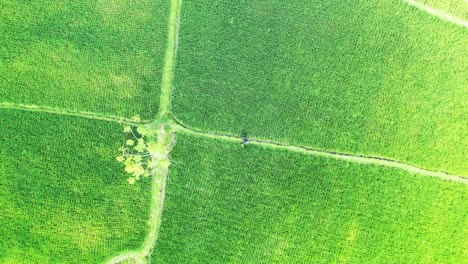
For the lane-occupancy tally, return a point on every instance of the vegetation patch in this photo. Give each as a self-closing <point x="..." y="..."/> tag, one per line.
<point x="104" y="56"/>
<point x="145" y="152"/>
<point x="227" y="204"/>
<point x="287" y="108"/>
<point x="63" y="196"/>
<point x="371" y="78"/>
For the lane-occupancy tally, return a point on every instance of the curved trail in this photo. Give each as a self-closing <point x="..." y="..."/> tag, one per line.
<point x="158" y="188"/>
<point x="59" y="111"/>
<point x="158" y="185"/>
<point x="438" y="13"/>
<point x="355" y="158"/>
<point x="135" y="256"/>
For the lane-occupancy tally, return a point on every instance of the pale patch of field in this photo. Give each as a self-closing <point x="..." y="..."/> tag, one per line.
<point x="84" y="234"/>
<point x="113" y="11"/>
<point x="129" y="85"/>
<point x="17" y="256"/>
<point x="349" y="243"/>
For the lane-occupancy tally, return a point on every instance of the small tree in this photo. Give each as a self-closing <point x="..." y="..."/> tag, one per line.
<point x="142" y="154"/>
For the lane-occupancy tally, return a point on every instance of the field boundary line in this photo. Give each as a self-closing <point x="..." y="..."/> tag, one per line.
<point x="438" y="13"/>
<point x="169" y="59"/>
<point x="163" y="115"/>
<point x="158" y="196"/>
<point x="159" y="181"/>
<point x="158" y="193"/>
<point x="60" y="111"/>
<point x="125" y="256"/>
<point x="355" y="158"/>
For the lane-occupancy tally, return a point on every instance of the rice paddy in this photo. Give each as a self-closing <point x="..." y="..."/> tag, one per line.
<point x="227" y="204"/>
<point x="63" y="197"/>
<point x="103" y="56"/>
<point x="377" y="79"/>
<point x="285" y="132"/>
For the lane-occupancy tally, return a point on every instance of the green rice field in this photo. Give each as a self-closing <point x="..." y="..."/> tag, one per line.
<point x="379" y="79"/>
<point x="457" y="8"/>
<point x="226" y="204"/>
<point x="181" y="131"/>
<point x="63" y="197"/>
<point x="104" y="56"/>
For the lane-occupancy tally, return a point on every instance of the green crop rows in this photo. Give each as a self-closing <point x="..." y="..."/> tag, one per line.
<point x="63" y="198"/>
<point x="227" y="204"/>
<point x="379" y="79"/>
<point x="356" y="112"/>
<point x="104" y="56"/>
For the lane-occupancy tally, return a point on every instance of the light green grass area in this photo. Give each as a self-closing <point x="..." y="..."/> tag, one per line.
<point x="361" y="77"/>
<point x="228" y="204"/>
<point x="63" y="196"/>
<point x="104" y="56"/>
<point x="456" y="8"/>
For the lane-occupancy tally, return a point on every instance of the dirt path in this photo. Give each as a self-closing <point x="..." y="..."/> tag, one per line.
<point x="158" y="187"/>
<point x="177" y="30"/>
<point x="58" y="111"/>
<point x="438" y="13"/>
<point x="343" y="156"/>
<point x="135" y="256"/>
<point x="355" y="158"/>
<point x="169" y="60"/>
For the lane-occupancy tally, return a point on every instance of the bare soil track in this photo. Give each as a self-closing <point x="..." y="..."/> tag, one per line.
<point x="438" y="13"/>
